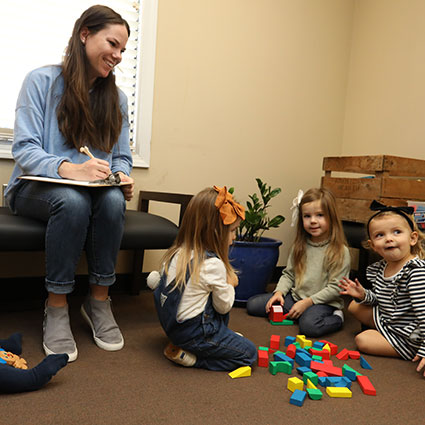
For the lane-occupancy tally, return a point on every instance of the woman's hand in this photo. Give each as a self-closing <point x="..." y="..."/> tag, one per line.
<point x="276" y="298"/>
<point x="353" y="288"/>
<point x="421" y="364"/>
<point x="128" y="189"/>
<point x="299" y="307"/>
<point x="93" y="169"/>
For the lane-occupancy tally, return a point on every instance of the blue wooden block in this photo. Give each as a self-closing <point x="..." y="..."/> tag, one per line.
<point x="364" y="364"/>
<point x="322" y="381"/>
<point x="298" y="397"/>
<point x="302" y="359"/>
<point x="289" y="340"/>
<point x="318" y="345"/>
<point x="303" y="369"/>
<point x="279" y="356"/>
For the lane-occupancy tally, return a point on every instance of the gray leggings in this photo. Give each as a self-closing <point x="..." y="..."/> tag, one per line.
<point x="316" y="321"/>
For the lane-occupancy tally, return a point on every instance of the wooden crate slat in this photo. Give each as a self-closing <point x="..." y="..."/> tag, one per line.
<point x="357" y="210"/>
<point x="364" y="188"/>
<point x="403" y="188"/>
<point x="376" y="164"/>
<point x="354" y="164"/>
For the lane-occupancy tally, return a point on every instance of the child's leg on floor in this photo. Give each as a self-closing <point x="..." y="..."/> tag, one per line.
<point x="319" y="320"/>
<point x="18" y="380"/>
<point x="256" y="305"/>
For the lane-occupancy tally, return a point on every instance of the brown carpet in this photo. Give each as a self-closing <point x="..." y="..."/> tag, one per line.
<point x="137" y="385"/>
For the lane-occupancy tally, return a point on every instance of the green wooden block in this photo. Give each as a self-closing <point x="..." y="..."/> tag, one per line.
<point x="314" y="393"/>
<point x="283" y="323"/>
<point x="317" y="358"/>
<point x="264" y="348"/>
<point x="346" y="367"/>
<point x="297" y="344"/>
<point x="312" y="376"/>
<point x="284" y="367"/>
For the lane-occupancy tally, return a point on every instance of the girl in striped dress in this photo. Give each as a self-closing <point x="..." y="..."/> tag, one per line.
<point x="394" y="309"/>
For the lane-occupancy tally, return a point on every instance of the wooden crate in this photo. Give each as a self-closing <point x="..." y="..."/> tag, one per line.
<point x="391" y="180"/>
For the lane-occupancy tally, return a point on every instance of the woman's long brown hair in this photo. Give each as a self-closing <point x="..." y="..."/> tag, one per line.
<point x="89" y="115"/>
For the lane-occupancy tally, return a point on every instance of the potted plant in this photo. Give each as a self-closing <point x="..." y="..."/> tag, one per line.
<point x="252" y="255"/>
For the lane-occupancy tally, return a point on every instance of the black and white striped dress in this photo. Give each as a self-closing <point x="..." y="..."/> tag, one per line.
<point x="399" y="306"/>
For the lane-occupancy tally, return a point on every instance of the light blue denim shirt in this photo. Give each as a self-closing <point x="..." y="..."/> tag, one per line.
<point x="39" y="147"/>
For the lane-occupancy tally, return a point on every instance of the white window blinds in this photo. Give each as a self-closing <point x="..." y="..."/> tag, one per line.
<point x="35" y="33"/>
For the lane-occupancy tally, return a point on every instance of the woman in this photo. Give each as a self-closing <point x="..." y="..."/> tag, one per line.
<point x="60" y="109"/>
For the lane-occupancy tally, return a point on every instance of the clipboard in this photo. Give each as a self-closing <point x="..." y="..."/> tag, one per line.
<point x="73" y="182"/>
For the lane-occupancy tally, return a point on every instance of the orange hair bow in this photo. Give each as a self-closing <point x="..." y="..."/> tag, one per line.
<point x="229" y="209"/>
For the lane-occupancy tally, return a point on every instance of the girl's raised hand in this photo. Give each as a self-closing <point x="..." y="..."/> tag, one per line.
<point x="276" y="298"/>
<point x="421" y="364"/>
<point x="353" y="288"/>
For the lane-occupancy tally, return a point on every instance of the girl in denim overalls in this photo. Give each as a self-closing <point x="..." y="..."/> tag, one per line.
<point x="196" y="288"/>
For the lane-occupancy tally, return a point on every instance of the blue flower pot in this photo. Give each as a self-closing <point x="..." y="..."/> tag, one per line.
<point x="255" y="263"/>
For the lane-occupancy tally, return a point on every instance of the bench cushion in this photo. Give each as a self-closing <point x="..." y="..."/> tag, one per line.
<point x="141" y="231"/>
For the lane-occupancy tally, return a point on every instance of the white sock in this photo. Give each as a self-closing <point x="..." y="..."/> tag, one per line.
<point x="340" y="314"/>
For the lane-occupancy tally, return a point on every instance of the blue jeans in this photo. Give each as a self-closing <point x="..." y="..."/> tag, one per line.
<point x="205" y="335"/>
<point x="316" y="320"/>
<point x="77" y="218"/>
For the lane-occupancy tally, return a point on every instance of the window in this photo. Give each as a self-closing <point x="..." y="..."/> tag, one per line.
<point x="35" y="33"/>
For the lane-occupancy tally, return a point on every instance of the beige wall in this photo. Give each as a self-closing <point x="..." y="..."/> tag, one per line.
<point x="386" y="88"/>
<point x="246" y="89"/>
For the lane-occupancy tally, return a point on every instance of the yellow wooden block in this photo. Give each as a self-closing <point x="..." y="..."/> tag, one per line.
<point x="241" y="372"/>
<point x="295" y="383"/>
<point x="311" y="385"/>
<point x="300" y="338"/>
<point x="327" y="348"/>
<point x="342" y="392"/>
<point x="305" y="343"/>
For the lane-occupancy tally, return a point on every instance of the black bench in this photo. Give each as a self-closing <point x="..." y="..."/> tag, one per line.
<point x="142" y="230"/>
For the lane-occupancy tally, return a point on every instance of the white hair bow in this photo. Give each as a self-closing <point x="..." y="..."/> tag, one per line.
<point x="295" y="207"/>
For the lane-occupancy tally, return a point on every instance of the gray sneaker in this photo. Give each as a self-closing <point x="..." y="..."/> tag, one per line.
<point x="98" y="315"/>
<point x="57" y="335"/>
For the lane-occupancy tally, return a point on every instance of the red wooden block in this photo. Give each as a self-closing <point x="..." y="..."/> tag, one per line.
<point x="276" y="313"/>
<point x="354" y="355"/>
<point x="333" y="347"/>
<point x="366" y="385"/>
<point x="291" y="351"/>
<point x="330" y="370"/>
<point x="343" y="354"/>
<point x="321" y="373"/>
<point x="263" y="358"/>
<point x="275" y="342"/>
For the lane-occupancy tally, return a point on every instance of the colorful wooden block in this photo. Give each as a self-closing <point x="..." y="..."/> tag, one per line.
<point x="241" y="372"/>
<point x="282" y="323"/>
<point x="275" y="342"/>
<point x="291" y="351"/>
<point x="329" y="370"/>
<point x="279" y="356"/>
<point x="333" y="347"/>
<point x="343" y="354"/>
<point x="349" y="372"/>
<point x="263" y="358"/>
<point x="354" y="355"/>
<point x="364" y="364"/>
<point x="276" y="313"/>
<point x="310" y="376"/>
<point x="340" y="392"/>
<point x="366" y="385"/>
<point x="298" y="397"/>
<point x="314" y="393"/>
<point x="289" y="340"/>
<point x="310" y="384"/>
<point x="284" y="367"/>
<point x="295" y="383"/>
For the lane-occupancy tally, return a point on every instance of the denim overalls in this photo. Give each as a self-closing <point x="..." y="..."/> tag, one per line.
<point x="205" y="335"/>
